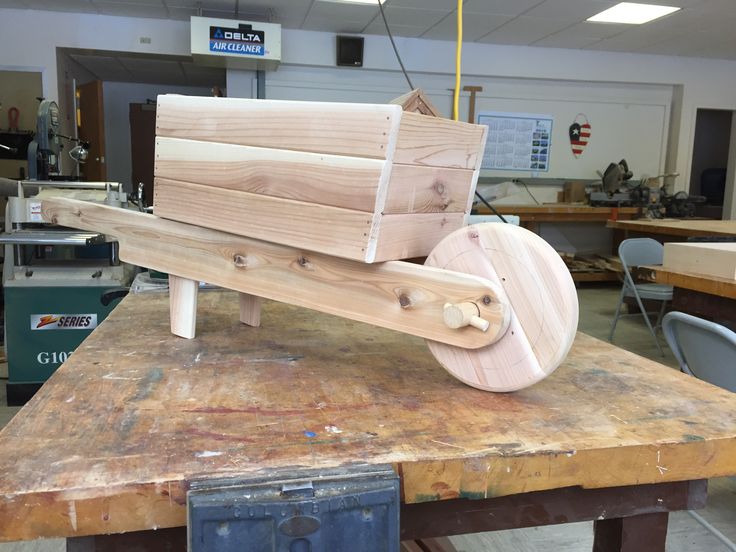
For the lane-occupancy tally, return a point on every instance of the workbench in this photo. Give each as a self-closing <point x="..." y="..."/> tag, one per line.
<point x="531" y="216"/>
<point x="136" y="416"/>
<point x="674" y="229"/>
<point x="697" y="294"/>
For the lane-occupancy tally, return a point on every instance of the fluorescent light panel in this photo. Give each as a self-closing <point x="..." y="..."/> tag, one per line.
<point x="634" y="14"/>
<point x="374" y="2"/>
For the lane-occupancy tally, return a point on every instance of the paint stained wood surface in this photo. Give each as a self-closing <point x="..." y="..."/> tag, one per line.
<point x="112" y="441"/>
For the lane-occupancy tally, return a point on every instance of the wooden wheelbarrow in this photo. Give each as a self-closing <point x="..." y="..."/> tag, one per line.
<point x="314" y="204"/>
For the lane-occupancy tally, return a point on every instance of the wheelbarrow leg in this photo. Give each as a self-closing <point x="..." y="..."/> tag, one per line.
<point x="183" y="306"/>
<point x="250" y="309"/>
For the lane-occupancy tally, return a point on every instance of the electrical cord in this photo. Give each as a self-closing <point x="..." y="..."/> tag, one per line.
<point x="520" y="181"/>
<point x="491" y="207"/>
<point x="396" y="51"/>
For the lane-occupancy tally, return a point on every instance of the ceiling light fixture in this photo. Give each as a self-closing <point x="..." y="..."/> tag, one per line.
<point x="633" y="14"/>
<point x="374" y="2"/>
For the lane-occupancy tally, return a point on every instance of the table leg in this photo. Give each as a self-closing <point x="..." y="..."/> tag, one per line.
<point x="183" y="306"/>
<point x="631" y="534"/>
<point x="250" y="309"/>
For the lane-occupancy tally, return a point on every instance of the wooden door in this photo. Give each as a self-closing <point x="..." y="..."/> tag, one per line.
<point x="142" y="146"/>
<point x="91" y="121"/>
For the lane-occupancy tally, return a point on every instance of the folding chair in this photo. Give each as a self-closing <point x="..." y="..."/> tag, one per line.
<point x="636" y="252"/>
<point x="704" y="349"/>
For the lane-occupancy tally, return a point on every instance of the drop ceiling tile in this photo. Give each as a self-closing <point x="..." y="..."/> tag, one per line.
<point x="342" y="12"/>
<point x="630" y="41"/>
<point x="595" y="30"/>
<point x="181" y="13"/>
<point x="96" y="64"/>
<point x="570" y="9"/>
<point x="218" y="5"/>
<point x="138" y="65"/>
<point x="687" y="44"/>
<point x="565" y="40"/>
<point x="333" y="26"/>
<point x="705" y="6"/>
<point x="423" y="4"/>
<point x="500" y="7"/>
<point x="378" y="28"/>
<point x="725" y="51"/>
<point x="79" y="6"/>
<point x="102" y="67"/>
<point x="289" y="22"/>
<point x="157" y="3"/>
<point x="474" y="27"/>
<point x="132" y="10"/>
<point x="413" y="17"/>
<point x="525" y="30"/>
<point x="18" y="4"/>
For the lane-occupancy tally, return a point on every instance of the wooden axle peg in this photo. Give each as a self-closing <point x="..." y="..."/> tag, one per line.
<point x="459" y="315"/>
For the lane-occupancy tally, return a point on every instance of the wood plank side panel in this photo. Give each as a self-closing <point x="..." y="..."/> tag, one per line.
<point x="476" y="172"/>
<point x="436" y="142"/>
<point x="361" y="130"/>
<point x="340" y="232"/>
<point x="417" y="189"/>
<point x="340" y="181"/>
<point x="414" y="235"/>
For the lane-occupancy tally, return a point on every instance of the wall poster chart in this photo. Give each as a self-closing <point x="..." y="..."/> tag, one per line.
<point x="517" y="141"/>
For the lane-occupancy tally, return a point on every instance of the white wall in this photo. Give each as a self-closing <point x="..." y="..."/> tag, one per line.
<point x="629" y="120"/>
<point x="117" y="97"/>
<point x="704" y="83"/>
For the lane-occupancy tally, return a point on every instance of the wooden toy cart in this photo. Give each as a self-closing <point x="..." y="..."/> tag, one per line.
<point x="315" y="204"/>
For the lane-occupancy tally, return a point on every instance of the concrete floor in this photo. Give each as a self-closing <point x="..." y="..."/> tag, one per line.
<point x="685" y="534"/>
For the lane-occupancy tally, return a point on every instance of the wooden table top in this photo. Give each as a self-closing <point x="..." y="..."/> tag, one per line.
<point x="713" y="285"/>
<point x="113" y="440"/>
<point x="678" y="227"/>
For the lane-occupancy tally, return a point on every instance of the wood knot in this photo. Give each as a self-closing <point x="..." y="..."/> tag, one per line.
<point x="305" y="263"/>
<point x="404" y="300"/>
<point x="439" y="187"/>
<point x="241" y="261"/>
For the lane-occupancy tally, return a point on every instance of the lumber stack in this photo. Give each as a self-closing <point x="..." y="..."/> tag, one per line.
<point x="709" y="258"/>
<point x="359" y="181"/>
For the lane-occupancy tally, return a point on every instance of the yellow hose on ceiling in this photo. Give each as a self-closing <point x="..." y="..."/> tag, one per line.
<point x="458" y="61"/>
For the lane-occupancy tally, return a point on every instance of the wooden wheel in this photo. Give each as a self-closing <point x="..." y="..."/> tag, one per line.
<point x="540" y="291"/>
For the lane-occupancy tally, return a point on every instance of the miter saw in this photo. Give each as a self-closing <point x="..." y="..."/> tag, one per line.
<point x="620" y="191"/>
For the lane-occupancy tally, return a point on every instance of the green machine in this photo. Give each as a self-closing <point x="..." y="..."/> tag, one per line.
<point x="59" y="284"/>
